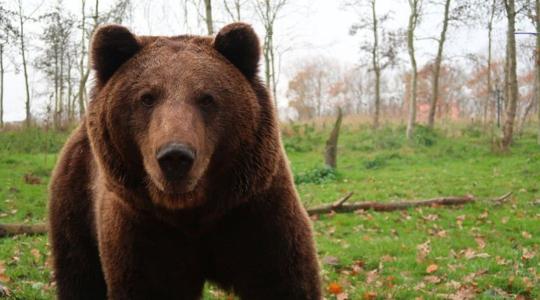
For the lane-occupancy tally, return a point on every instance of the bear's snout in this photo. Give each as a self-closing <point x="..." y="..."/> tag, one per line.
<point x="175" y="160"/>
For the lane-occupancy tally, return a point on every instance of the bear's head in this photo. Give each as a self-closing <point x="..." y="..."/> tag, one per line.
<point x="182" y="119"/>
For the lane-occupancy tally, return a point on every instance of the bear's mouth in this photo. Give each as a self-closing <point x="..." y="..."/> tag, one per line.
<point x="178" y="188"/>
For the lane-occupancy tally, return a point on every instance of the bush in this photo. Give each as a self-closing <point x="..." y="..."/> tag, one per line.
<point x="472" y="130"/>
<point x="316" y="175"/>
<point x="424" y="136"/>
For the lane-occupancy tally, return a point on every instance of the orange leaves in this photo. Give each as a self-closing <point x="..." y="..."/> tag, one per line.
<point x="3" y="277"/>
<point x="335" y="288"/>
<point x="369" y="296"/>
<point x="527" y="254"/>
<point x="432" y="268"/>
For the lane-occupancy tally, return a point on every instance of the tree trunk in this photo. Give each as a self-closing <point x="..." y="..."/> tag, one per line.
<point x="508" y="128"/>
<point x="413" y="18"/>
<point x="55" y="111"/>
<point x="489" y="90"/>
<point x="82" y="73"/>
<point x="61" y="85"/>
<point x="330" y="156"/>
<point x="28" y="120"/>
<point x="209" y="20"/>
<point x="1" y="86"/>
<point x="437" y="67"/>
<point x="376" y="66"/>
<point x="71" y="107"/>
<point x="537" y="81"/>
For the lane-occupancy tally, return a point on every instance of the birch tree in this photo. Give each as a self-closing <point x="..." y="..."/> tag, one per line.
<point x="437" y="65"/>
<point x="489" y="85"/>
<point x="22" y="44"/>
<point x="511" y="75"/>
<point x="415" y="7"/>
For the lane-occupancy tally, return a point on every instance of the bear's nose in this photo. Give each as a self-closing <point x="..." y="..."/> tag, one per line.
<point x="175" y="160"/>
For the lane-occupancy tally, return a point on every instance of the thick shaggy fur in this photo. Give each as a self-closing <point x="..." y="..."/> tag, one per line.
<point x="119" y="230"/>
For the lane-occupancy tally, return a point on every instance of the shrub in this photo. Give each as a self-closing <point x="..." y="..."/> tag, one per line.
<point x="424" y="136"/>
<point x="316" y="175"/>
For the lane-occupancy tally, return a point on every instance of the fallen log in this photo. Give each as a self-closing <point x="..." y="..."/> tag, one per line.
<point x="15" y="229"/>
<point x="341" y="207"/>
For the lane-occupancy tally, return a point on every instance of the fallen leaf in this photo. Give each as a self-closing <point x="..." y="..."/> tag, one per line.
<point x="469" y="253"/>
<point x="431" y="217"/>
<point x="36" y="254"/>
<point x="342" y="296"/>
<point x="357" y="267"/>
<point x="330" y="260"/>
<point x="422" y="251"/>
<point x="370" y="296"/>
<point x="483" y="215"/>
<point x="432" y="268"/>
<point x="387" y="258"/>
<point x="527" y="255"/>
<point x="459" y="221"/>
<point x="481" y="242"/>
<point x="31" y="179"/>
<point x="501" y="261"/>
<point x="527" y="282"/>
<point x="389" y="281"/>
<point x="3" y="277"/>
<point x="526" y="235"/>
<point x="4" y="291"/>
<point x="432" y="279"/>
<point x="464" y="293"/>
<point x="335" y="288"/>
<point x="441" y="233"/>
<point x="371" y="276"/>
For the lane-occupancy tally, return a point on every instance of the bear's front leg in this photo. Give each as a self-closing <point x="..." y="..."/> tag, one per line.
<point x="264" y="250"/>
<point x="142" y="259"/>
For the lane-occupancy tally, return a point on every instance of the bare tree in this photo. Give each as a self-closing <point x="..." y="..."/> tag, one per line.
<point x="209" y="19"/>
<point x="383" y="54"/>
<point x="437" y="65"/>
<point x="268" y="12"/>
<point x="7" y="33"/>
<point x="489" y="85"/>
<point x="117" y="14"/>
<point x="22" y="21"/>
<point x="53" y="60"/>
<point x="233" y="8"/>
<point x="84" y="72"/>
<point x="511" y="75"/>
<point x="537" y="53"/>
<point x="415" y="6"/>
<point x="205" y="16"/>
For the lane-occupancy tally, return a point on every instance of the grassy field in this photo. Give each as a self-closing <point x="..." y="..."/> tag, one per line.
<point x="479" y="251"/>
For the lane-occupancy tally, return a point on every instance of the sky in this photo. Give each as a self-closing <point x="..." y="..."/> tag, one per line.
<point x="305" y="29"/>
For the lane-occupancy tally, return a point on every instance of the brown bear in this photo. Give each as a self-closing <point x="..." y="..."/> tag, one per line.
<point x="177" y="176"/>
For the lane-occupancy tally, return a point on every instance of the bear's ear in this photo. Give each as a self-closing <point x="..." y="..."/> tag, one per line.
<point x="112" y="45"/>
<point x="239" y="43"/>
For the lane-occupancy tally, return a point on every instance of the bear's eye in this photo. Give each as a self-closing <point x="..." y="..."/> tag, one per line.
<point x="206" y="100"/>
<point x="148" y="100"/>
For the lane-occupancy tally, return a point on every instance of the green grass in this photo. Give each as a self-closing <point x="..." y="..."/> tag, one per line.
<point x="482" y="250"/>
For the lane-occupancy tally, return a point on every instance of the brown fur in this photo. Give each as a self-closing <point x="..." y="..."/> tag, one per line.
<point x="120" y="229"/>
